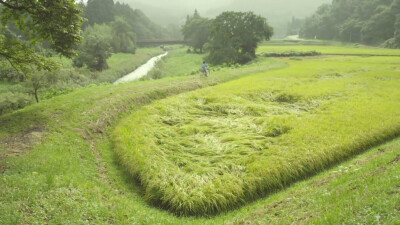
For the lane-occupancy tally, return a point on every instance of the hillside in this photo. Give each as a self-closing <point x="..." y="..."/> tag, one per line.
<point x="278" y="13"/>
<point x="58" y="162"/>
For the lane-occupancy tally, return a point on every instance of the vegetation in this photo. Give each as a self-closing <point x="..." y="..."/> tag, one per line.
<point x="18" y="93"/>
<point x="235" y="36"/>
<point x="106" y="11"/>
<point x="196" y="31"/>
<point x="294" y="26"/>
<point x="95" y="49"/>
<point x="90" y="152"/>
<point x="370" y="22"/>
<point x="215" y="149"/>
<point x="341" y="195"/>
<point x="24" y="23"/>
<point x="177" y="63"/>
<point x="289" y="54"/>
<point x="62" y="172"/>
<point x="71" y="175"/>
<point x="329" y="50"/>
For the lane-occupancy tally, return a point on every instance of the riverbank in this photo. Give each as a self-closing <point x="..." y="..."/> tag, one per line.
<point x="142" y="70"/>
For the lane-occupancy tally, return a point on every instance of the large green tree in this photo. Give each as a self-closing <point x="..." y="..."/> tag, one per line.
<point x="235" y="35"/>
<point x="196" y="31"/>
<point x="56" y="22"/>
<point x="96" y="48"/>
<point x="123" y="36"/>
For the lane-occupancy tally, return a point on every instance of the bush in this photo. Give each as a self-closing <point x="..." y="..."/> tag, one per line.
<point x="12" y="101"/>
<point x="290" y="54"/>
<point x="392" y="43"/>
<point x="11" y="75"/>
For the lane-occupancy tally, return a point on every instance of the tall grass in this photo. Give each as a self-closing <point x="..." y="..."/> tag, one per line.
<point x="330" y="50"/>
<point x="211" y="150"/>
<point x="177" y="63"/>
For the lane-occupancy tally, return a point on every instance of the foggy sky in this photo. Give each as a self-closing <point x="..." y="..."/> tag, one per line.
<point x="175" y="11"/>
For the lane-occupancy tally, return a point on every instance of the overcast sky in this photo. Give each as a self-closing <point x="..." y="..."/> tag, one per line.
<point x="171" y="11"/>
<point x="277" y="12"/>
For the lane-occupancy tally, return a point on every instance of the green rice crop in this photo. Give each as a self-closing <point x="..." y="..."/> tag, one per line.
<point x="330" y="50"/>
<point x="211" y="150"/>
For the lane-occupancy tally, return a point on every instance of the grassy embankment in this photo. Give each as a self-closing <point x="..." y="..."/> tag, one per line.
<point x="120" y="64"/>
<point x="212" y="150"/>
<point x="70" y="176"/>
<point x="16" y="95"/>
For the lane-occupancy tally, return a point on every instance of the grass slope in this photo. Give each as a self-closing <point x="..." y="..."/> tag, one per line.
<point x="365" y="190"/>
<point x="214" y="149"/>
<point x="70" y="175"/>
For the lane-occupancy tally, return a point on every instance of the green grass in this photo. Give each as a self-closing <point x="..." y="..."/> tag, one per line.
<point x="330" y="50"/>
<point x="15" y="95"/>
<point x="212" y="150"/>
<point x="364" y="190"/>
<point x="72" y="176"/>
<point x="177" y="63"/>
<point x="286" y="42"/>
<point x="120" y="64"/>
<point x="180" y="63"/>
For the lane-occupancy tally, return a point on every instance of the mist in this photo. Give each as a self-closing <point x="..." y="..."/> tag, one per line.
<point x="278" y="13"/>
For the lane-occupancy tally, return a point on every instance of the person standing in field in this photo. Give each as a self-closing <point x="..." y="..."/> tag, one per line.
<point x="205" y="69"/>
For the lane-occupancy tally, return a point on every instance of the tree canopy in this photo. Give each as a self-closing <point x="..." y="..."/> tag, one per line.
<point x="370" y="22"/>
<point x="235" y="35"/>
<point x="106" y="11"/>
<point x="33" y="22"/>
<point x="196" y="31"/>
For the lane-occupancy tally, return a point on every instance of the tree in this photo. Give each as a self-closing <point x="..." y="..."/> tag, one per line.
<point x="141" y="25"/>
<point x="370" y="22"/>
<point x="38" y="81"/>
<point x="123" y="37"/>
<point x="235" y="36"/>
<point x="380" y="27"/>
<point x="99" y="11"/>
<point x="196" y="31"/>
<point x="57" y="22"/>
<point x="95" y="49"/>
<point x="294" y="26"/>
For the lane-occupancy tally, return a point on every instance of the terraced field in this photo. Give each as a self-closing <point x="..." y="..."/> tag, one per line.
<point x="329" y="50"/>
<point x="77" y="159"/>
<point x="214" y="149"/>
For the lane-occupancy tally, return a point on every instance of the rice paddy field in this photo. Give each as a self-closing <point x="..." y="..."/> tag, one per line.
<point x="212" y="150"/>
<point x="305" y="140"/>
<point x="329" y="49"/>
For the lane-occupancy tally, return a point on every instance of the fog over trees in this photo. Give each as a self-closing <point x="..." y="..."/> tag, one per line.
<point x="278" y="13"/>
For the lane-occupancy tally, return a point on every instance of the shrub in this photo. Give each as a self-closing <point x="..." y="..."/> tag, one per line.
<point x="10" y="101"/>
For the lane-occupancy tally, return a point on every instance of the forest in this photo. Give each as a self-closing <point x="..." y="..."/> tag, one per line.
<point x="372" y="22"/>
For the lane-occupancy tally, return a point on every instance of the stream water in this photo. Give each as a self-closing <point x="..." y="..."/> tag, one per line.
<point x="142" y="71"/>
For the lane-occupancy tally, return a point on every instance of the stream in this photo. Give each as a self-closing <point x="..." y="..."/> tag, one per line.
<point x="142" y="71"/>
